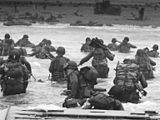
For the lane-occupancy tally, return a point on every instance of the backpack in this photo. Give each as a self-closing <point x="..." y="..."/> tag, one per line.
<point x="90" y="74"/>
<point x="13" y="81"/>
<point x="126" y="76"/>
<point x="15" y="70"/>
<point x="102" y="101"/>
<point x="144" y="63"/>
<point x="59" y="63"/>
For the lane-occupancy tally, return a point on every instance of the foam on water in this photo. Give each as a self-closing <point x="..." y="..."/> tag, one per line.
<point x="147" y="105"/>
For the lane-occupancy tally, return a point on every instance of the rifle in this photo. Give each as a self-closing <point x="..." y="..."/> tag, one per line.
<point x="33" y="77"/>
<point x="48" y="56"/>
<point x="117" y="66"/>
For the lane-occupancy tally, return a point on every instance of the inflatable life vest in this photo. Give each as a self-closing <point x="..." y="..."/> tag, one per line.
<point x="13" y="80"/>
<point x="126" y="75"/>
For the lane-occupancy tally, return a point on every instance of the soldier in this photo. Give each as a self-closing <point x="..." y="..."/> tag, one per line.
<point x="80" y="83"/>
<point x="14" y="75"/>
<point x="145" y="64"/>
<point x="154" y="52"/>
<point x="103" y="102"/>
<point x="7" y="45"/>
<point x="124" y="46"/>
<point x="127" y="82"/>
<point x="57" y="66"/>
<point x="100" y="55"/>
<point x="86" y="47"/>
<point x="24" y="42"/>
<point x="141" y="13"/>
<point x="49" y="45"/>
<point x="113" y="46"/>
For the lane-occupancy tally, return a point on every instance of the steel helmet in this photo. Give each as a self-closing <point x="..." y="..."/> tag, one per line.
<point x="14" y="54"/>
<point x="7" y="35"/>
<point x="140" y="52"/>
<point x="71" y="65"/>
<point x="114" y="40"/>
<point x="155" y="47"/>
<point x="25" y="36"/>
<point x="60" y="50"/>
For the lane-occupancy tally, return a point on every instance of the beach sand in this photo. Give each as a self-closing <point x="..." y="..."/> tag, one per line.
<point x="71" y="14"/>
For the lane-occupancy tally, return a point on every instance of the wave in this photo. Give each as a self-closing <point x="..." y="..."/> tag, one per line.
<point x="115" y="27"/>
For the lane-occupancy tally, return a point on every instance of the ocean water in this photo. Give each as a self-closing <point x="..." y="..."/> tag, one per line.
<point x="72" y="39"/>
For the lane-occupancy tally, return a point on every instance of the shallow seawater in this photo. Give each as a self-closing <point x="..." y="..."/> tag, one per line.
<point x="72" y="38"/>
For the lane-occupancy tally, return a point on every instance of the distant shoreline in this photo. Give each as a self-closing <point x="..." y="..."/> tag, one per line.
<point x="80" y="13"/>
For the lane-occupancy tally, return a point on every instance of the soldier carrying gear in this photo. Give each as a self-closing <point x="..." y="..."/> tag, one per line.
<point x="14" y="55"/>
<point x="80" y="83"/>
<point x="86" y="47"/>
<point x="100" y="55"/>
<point x="145" y="64"/>
<point x="15" y="75"/>
<point x="127" y="81"/>
<point x="57" y="66"/>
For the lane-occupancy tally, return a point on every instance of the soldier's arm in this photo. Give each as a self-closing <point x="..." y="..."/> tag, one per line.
<point x="67" y="59"/>
<point x="74" y="85"/>
<point x="51" y="67"/>
<point x="26" y="63"/>
<point x="53" y="48"/>
<point x="119" y="45"/>
<point x="142" y="80"/>
<point x="17" y="43"/>
<point x="85" y="59"/>
<point x="82" y="47"/>
<point x="109" y="55"/>
<point x="132" y="46"/>
<point x="152" y="62"/>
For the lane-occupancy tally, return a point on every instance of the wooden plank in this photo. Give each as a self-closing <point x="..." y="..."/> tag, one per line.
<point x="21" y="113"/>
<point x="87" y="114"/>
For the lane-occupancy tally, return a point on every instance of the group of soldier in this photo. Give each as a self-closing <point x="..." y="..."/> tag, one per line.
<point x="129" y="81"/>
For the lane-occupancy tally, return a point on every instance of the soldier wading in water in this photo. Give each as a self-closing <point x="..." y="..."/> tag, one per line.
<point x="100" y="55"/>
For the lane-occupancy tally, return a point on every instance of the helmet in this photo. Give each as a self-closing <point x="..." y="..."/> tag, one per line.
<point x="140" y="52"/>
<point x="60" y="50"/>
<point x="7" y="35"/>
<point x="114" y="40"/>
<point x="14" y="54"/>
<point x="71" y="65"/>
<point x="155" y="47"/>
<point x="126" y="39"/>
<point x="88" y="39"/>
<point x="96" y="42"/>
<point x="25" y="36"/>
<point x="48" y="42"/>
